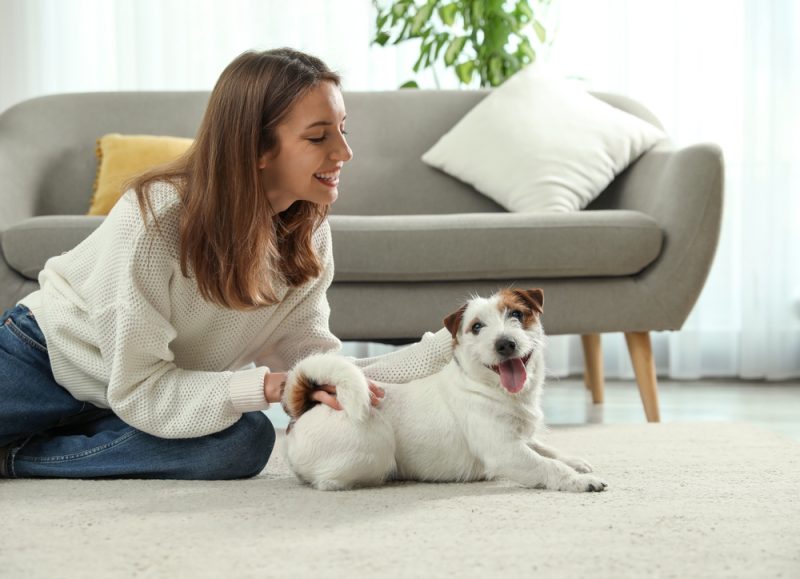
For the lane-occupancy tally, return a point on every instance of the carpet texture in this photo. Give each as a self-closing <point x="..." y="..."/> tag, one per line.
<point x="684" y="500"/>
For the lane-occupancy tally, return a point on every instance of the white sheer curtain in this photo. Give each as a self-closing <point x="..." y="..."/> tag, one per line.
<point x="50" y="46"/>
<point x="725" y="71"/>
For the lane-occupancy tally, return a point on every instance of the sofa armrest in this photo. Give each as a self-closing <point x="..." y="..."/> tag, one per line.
<point x="682" y="190"/>
<point x="28" y="245"/>
<point x="19" y="200"/>
<point x="18" y="184"/>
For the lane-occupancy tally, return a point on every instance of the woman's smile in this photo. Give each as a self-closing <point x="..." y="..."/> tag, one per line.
<point x="329" y="178"/>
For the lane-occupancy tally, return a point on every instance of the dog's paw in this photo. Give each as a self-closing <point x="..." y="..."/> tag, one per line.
<point x="583" y="484"/>
<point x="578" y="464"/>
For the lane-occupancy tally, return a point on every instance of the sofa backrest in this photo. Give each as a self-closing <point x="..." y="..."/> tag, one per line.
<point x="48" y="143"/>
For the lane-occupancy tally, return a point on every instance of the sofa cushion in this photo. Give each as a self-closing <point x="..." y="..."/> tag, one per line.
<point x="121" y="157"/>
<point x="488" y="246"/>
<point x="541" y="144"/>
<point x="27" y="245"/>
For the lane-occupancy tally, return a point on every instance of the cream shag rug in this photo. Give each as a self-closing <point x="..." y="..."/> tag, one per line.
<point x="684" y="500"/>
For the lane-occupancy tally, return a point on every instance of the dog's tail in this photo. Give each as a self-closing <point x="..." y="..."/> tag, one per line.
<point x="352" y="389"/>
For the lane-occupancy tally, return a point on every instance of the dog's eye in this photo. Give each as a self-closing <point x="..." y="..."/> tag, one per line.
<point x="476" y="327"/>
<point x="517" y="314"/>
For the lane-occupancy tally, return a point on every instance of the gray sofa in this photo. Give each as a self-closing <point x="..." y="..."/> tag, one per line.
<point x="410" y="243"/>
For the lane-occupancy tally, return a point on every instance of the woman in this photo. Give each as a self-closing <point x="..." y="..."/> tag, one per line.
<point x="151" y="347"/>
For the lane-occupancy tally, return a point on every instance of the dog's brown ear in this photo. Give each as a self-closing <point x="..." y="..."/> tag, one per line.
<point x="453" y="321"/>
<point x="533" y="298"/>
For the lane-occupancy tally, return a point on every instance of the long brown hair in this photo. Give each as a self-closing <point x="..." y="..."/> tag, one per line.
<point x="230" y="237"/>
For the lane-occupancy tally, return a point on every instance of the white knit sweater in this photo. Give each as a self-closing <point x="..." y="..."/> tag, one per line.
<point x="126" y="330"/>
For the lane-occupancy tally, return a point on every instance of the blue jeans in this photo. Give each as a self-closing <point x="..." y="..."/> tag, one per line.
<point x="45" y="432"/>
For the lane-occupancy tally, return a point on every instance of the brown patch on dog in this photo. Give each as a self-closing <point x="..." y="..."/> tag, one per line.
<point x="529" y="302"/>
<point x="299" y="399"/>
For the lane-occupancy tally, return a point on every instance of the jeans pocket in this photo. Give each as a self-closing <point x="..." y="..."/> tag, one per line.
<point x="35" y="341"/>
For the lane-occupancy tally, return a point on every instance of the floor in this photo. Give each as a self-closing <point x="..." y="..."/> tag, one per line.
<point x="772" y="405"/>
<point x="694" y="500"/>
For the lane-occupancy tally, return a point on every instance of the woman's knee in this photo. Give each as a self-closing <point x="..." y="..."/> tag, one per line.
<point x="262" y="440"/>
<point x="249" y="444"/>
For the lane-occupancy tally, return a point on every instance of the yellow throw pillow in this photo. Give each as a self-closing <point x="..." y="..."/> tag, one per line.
<point x="120" y="157"/>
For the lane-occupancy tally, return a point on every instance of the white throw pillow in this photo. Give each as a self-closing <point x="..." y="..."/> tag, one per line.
<point x="541" y="144"/>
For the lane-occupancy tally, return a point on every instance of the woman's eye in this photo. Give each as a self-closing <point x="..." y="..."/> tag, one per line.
<point x="323" y="137"/>
<point x="476" y="328"/>
<point x="517" y="314"/>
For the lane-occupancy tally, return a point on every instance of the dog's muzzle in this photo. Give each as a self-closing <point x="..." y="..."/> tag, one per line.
<point x="505" y="347"/>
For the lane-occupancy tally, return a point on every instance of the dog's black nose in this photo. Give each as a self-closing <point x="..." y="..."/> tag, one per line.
<point x="505" y="347"/>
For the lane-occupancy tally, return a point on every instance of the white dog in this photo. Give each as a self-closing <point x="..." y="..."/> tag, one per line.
<point x="473" y="420"/>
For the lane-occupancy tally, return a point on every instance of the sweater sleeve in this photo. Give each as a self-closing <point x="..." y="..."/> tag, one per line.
<point x="146" y="388"/>
<point x="418" y="360"/>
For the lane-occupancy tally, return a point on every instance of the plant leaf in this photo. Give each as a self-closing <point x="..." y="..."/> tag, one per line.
<point x="382" y="38"/>
<point x="496" y="70"/>
<point x="455" y="48"/>
<point x="441" y="38"/>
<point x="541" y="34"/>
<point x="524" y="9"/>
<point x="420" y="19"/>
<point x="380" y="21"/>
<point x="424" y="51"/>
<point x="409" y="84"/>
<point x="448" y="13"/>
<point x="526" y="49"/>
<point x="464" y="71"/>
<point x="401" y="37"/>
<point x="399" y="9"/>
<point x="477" y="11"/>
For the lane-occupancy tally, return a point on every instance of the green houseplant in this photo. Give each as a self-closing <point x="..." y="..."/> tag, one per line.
<point x="490" y="38"/>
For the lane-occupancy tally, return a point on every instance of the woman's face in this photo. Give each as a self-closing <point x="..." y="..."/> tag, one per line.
<point x="311" y="151"/>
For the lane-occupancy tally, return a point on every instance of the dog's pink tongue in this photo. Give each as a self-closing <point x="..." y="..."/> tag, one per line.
<point x="513" y="375"/>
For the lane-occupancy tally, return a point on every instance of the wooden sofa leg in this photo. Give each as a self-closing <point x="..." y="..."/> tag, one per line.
<point x="644" y="367"/>
<point x="593" y="366"/>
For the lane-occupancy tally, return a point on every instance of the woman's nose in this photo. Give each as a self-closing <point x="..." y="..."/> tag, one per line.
<point x="343" y="152"/>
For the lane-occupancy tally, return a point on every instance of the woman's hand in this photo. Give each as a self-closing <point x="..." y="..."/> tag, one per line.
<point x="327" y="395"/>
<point x="274" y="383"/>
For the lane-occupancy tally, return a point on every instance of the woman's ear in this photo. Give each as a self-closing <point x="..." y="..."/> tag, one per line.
<point x="263" y="160"/>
